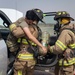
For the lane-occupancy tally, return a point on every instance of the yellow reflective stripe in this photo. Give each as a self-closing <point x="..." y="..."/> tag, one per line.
<point x="24" y="41"/>
<point x="61" y="45"/>
<point x="12" y="26"/>
<point x="25" y="56"/>
<point x="33" y="44"/>
<point x="19" y="40"/>
<point x="72" y="45"/>
<point x="70" y="62"/>
<point x="19" y="72"/>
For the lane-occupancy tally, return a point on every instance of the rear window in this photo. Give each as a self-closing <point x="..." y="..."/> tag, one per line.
<point x="49" y="27"/>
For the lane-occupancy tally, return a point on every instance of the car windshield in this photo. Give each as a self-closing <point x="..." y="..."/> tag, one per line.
<point x="49" y="26"/>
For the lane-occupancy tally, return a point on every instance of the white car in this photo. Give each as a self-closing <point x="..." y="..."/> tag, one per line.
<point x="44" y="65"/>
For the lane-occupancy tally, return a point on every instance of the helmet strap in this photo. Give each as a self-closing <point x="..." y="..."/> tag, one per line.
<point x="57" y="26"/>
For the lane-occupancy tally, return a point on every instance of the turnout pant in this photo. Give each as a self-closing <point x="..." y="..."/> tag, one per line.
<point x="68" y="70"/>
<point x="22" y="68"/>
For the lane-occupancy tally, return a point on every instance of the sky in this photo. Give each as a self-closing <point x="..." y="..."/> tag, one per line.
<point x="44" y="5"/>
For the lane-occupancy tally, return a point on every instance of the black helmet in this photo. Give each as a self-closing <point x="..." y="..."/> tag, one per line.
<point x="39" y="13"/>
<point x="62" y="14"/>
<point x="34" y="14"/>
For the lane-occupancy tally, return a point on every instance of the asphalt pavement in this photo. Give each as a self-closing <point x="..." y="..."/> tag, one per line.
<point x="45" y="71"/>
<point x="42" y="73"/>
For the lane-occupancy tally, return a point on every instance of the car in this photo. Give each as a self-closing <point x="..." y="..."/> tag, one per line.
<point x="44" y="65"/>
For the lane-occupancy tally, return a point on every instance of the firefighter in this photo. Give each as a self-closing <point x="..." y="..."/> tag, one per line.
<point x="65" y="44"/>
<point x="25" y="60"/>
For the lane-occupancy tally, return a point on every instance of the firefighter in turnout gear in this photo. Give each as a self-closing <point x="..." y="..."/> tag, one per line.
<point x="65" y="44"/>
<point x="25" y="60"/>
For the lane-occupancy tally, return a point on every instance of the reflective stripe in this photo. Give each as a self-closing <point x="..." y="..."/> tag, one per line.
<point x="19" y="72"/>
<point x="12" y="26"/>
<point x="61" y="45"/>
<point x="72" y="45"/>
<point x="25" y="56"/>
<point x="24" y="41"/>
<point x="65" y="63"/>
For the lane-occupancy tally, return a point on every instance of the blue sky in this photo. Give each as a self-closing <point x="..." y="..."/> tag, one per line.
<point x="45" y="5"/>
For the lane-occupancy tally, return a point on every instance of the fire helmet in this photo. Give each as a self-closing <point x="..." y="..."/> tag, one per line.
<point x="62" y="14"/>
<point x="39" y="13"/>
<point x="35" y="14"/>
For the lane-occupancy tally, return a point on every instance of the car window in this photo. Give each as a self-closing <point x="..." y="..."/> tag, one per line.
<point x="2" y="23"/>
<point x="49" y="27"/>
<point x="4" y="30"/>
